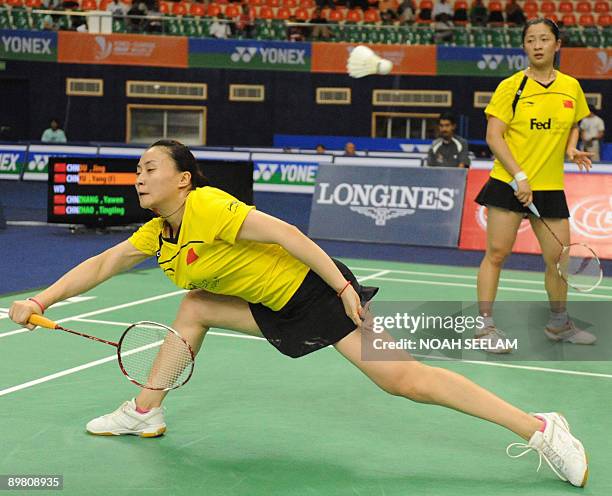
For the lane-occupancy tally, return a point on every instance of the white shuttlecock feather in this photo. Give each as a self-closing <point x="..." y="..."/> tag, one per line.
<point x="363" y="61"/>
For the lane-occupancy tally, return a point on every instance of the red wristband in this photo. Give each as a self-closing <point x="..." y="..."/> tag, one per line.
<point x="40" y="305"/>
<point x="342" y="290"/>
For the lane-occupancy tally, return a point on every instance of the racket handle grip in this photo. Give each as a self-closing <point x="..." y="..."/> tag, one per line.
<point x="531" y="206"/>
<point x="41" y="321"/>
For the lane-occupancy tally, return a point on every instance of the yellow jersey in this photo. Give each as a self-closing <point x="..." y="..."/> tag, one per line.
<point x="538" y="131"/>
<point x="206" y="255"/>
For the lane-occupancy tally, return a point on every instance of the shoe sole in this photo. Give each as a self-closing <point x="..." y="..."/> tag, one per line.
<point x="156" y="433"/>
<point x="556" y="339"/>
<point x="585" y="478"/>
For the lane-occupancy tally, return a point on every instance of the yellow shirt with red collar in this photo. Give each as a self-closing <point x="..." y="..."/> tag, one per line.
<point x="206" y="255"/>
<point x="538" y="131"/>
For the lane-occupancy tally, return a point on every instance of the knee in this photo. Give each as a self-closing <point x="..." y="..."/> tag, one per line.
<point x="410" y="384"/>
<point x="195" y="308"/>
<point x="497" y="255"/>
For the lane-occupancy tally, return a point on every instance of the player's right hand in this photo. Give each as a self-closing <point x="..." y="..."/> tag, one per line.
<point x="21" y="310"/>
<point x="524" y="193"/>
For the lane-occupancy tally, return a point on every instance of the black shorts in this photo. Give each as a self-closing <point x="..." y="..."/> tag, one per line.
<point x="550" y="204"/>
<point x="312" y="319"/>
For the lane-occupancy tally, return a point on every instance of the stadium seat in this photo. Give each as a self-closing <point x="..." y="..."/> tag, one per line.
<point x="604" y="20"/>
<point x="290" y="4"/>
<point x="33" y="4"/>
<point x="283" y="13"/>
<point x="335" y="16"/>
<point x="371" y="16"/>
<point x="566" y="7"/>
<point x="213" y="10"/>
<point x="89" y="5"/>
<point x="354" y="16"/>
<point x="164" y="8"/>
<point x="301" y="14"/>
<point x="307" y="4"/>
<point x="275" y="4"/>
<point x="495" y="13"/>
<point x="583" y="7"/>
<point x="530" y="8"/>
<point x="602" y="7"/>
<point x="569" y="20"/>
<point x="548" y="8"/>
<point x="586" y="20"/>
<point x="232" y="10"/>
<point x="178" y="9"/>
<point x="425" y="8"/>
<point x="197" y="9"/>
<point x="460" y="17"/>
<point x="265" y="12"/>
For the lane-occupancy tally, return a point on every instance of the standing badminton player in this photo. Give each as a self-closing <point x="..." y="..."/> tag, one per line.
<point x="532" y="125"/>
<point x="253" y="273"/>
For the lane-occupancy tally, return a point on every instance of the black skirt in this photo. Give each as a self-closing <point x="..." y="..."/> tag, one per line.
<point x="550" y="204"/>
<point x="312" y="319"/>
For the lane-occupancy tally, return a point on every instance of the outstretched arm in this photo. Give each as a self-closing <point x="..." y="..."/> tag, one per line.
<point x="80" y="279"/>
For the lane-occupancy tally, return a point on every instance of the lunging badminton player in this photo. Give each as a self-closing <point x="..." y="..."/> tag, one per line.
<point x="532" y="125"/>
<point x="253" y="273"/>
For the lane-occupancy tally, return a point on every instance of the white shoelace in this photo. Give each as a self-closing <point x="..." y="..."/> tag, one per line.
<point x="527" y="449"/>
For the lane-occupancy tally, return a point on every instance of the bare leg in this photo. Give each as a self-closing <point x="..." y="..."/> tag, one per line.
<point x="502" y="226"/>
<point x="424" y="384"/>
<point x="199" y="311"/>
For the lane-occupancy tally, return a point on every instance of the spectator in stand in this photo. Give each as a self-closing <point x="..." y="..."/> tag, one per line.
<point x="349" y="150"/>
<point x="362" y="4"/>
<point x="592" y="129"/>
<point x="320" y="149"/>
<point x="321" y="4"/>
<point x="54" y="134"/>
<point x="220" y="28"/>
<point x="478" y="14"/>
<point x="294" y="32"/>
<point x="449" y="150"/>
<point x="443" y="25"/>
<point x="388" y="7"/>
<point x="406" y="12"/>
<point x="117" y="8"/>
<point x="245" y="22"/>
<point x="320" y="31"/>
<point x="514" y="13"/>
<point x="138" y="22"/>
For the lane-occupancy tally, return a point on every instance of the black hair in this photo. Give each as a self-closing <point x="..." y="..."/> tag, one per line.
<point x="59" y="124"/>
<point x="184" y="161"/>
<point x="448" y="116"/>
<point x="541" y="20"/>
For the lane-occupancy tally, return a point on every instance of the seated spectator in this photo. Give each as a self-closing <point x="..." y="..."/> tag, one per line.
<point x="406" y="12"/>
<point x="514" y="13"/>
<point x="245" y="22"/>
<point x="478" y="14"/>
<point x="117" y="8"/>
<point x="320" y="149"/>
<point x="320" y="31"/>
<point x="51" y="4"/>
<point x="349" y="150"/>
<point x="295" y="33"/>
<point x="387" y="18"/>
<point x="220" y="28"/>
<point x="388" y="7"/>
<point x="443" y="25"/>
<point x="54" y="134"/>
<point x="138" y="23"/>
<point x="449" y="150"/>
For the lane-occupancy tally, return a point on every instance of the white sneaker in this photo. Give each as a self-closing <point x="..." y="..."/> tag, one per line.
<point x="495" y="340"/>
<point x="564" y="454"/>
<point x="569" y="333"/>
<point x="126" y="420"/>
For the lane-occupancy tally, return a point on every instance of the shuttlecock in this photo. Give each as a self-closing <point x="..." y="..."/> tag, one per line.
<point x="362" y="62"/>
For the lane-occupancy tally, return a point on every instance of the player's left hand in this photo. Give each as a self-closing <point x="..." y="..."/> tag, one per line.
<point x="580" y="158"/>
<point x="352" y="305"/>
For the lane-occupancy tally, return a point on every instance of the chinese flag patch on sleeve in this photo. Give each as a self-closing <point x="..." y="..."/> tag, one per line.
<point x="568" y="104"/>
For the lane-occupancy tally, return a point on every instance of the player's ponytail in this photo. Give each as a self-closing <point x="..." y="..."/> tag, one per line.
<point x="184" y="160"/>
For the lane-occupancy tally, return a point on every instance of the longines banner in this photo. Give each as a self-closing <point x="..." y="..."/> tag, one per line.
<point x="589" y="197"/>
<point x="388" y="204"/>
<point x="249" y="54"/>
<point x="122" y="49"/>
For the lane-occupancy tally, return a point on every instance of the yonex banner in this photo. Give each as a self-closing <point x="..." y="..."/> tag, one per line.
<point x="39" y="155"/>
<point x="589" y="197"/>
<point x="12" y="160"/>
<point x="249" y="54"/>
<point x="39" y="46"/>
<point x="285" y="176"/>
<point x="417" y="206"/>
<point x="495" y="62"/>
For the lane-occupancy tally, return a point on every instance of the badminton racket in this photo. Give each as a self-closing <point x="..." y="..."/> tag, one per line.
<point x="577" y="264"/>
<point x="151" y="355"/>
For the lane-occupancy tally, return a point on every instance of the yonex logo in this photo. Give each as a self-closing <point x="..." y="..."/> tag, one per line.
<point x="38" y="163"/>
<point x="8" y="161"/>
<point x="592" y="217"/>
<point x="264" y="171"/>
<point x="490" y="62"/>
<point x="244" y="54"/>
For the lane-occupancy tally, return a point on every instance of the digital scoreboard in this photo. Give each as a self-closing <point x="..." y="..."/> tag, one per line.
<point x="100" y="192"/>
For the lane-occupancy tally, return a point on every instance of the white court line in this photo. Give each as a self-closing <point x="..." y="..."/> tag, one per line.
<point x="504" y="288"/>
<point x="95" y="363"/>
<point x="373" y="276"/>
<point x="460" y="276"/>
<point x="102" y="310"/>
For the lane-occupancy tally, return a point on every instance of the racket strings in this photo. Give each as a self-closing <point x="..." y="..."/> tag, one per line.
<point x="580" y="267"/>
<point x="155" y="357"/>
